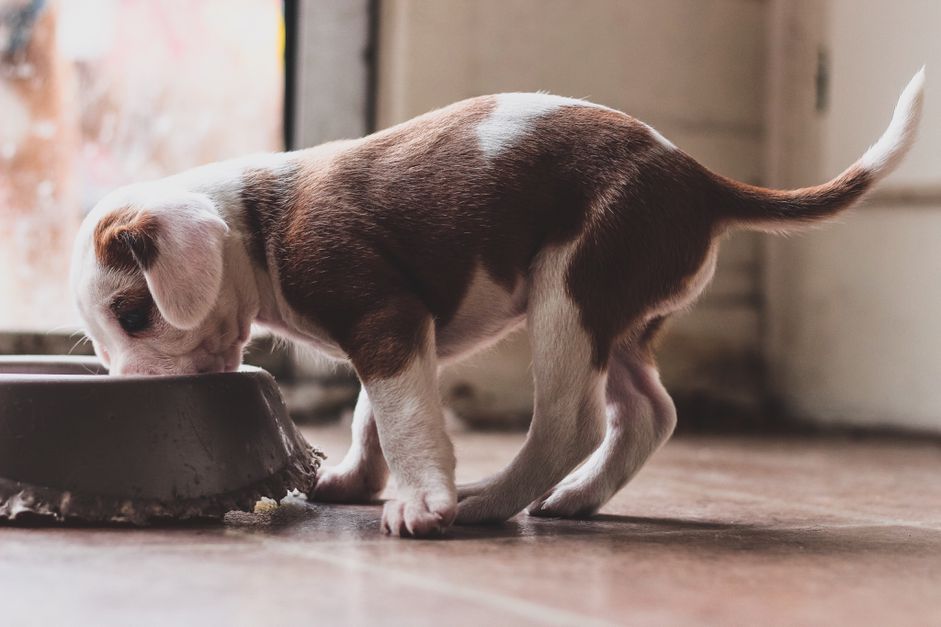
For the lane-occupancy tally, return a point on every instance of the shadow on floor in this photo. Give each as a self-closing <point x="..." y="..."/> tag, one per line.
<point x="324" y="523"/>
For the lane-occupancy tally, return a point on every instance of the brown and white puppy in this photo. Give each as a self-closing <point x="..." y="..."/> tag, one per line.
<point x="418" y="245"/>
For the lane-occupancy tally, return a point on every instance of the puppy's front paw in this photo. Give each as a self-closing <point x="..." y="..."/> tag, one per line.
<point x="421" y="515"/>
<point x="341" y="485"/>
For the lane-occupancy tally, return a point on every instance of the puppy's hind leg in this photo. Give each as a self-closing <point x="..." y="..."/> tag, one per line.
<point x="640" y="417"/>
<point x="569" y="407"/>
<point x="362" y="474"/>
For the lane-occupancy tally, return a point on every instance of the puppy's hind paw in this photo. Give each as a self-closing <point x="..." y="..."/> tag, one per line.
<point x="566" y="502"/>
<point x="483" y="510"/>
<point x="422" y="515"/>
<point x="467" y="490"/>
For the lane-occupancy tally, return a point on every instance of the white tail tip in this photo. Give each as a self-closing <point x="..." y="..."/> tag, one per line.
<point x="885" y="154"/>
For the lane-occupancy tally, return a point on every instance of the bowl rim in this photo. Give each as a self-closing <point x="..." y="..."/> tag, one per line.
<point x="102" y="378"/>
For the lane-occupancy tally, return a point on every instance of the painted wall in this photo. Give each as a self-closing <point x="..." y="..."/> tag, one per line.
<point x="853" y="331"/>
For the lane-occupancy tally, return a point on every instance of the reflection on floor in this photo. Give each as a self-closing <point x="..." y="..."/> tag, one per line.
<point x="715" y="530"/>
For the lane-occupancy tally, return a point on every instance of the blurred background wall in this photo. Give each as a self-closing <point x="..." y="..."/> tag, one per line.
<point x="852" y="322"/>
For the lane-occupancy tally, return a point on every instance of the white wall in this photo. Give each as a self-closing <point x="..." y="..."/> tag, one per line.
<point x="853" y="312"/>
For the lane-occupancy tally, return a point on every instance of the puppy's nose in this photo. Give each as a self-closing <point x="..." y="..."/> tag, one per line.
<point x="119" y="370"/>
<point x="128" y="369"/>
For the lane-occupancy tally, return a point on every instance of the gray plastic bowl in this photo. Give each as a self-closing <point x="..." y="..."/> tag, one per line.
<point x="76" y="444"/>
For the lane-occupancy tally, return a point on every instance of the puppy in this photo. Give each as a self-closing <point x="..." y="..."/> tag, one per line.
<point x="418" y="245"/>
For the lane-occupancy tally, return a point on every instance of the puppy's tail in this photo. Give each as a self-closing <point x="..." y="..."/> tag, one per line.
<point x="782" y="211"/>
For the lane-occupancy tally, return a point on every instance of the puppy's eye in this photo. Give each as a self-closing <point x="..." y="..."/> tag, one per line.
<point x="134" y="320"/>
<point x="134" y="310"/>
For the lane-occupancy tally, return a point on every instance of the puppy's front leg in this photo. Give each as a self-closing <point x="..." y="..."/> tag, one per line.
<point x="399" y="373"/>
<point x="362" y="474"/>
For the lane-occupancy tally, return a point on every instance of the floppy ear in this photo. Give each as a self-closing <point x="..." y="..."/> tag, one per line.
<point x="177" y="244"/>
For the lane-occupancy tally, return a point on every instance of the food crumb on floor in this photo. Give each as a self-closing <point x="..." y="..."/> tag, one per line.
<point x="265" y="505"/>
<point x="269" y="512"/>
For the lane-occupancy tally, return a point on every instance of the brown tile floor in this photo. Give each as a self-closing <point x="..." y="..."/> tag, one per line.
<point x="715" y="530"/>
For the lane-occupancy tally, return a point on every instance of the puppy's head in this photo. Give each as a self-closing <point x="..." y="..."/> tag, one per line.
<point x="148" y="279"/>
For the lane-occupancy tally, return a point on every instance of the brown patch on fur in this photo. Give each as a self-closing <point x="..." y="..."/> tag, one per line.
<point x="265" y="195"/>
<point x="641" y="249"/>
<point x="126" y="239"/>
<point x="385" y="340"/>
<point x="375" y="237"/>
<point x="652" y="332"/>
<point x="770" y="209"/>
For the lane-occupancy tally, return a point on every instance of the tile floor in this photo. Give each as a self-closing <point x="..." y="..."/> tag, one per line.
<point x="716" y="530"/>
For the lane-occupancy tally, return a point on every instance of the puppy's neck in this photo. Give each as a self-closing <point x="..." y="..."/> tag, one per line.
<point x="268" y="312"/>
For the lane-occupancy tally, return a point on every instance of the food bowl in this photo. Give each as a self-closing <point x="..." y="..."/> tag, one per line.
<point x="77" y="445"/>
